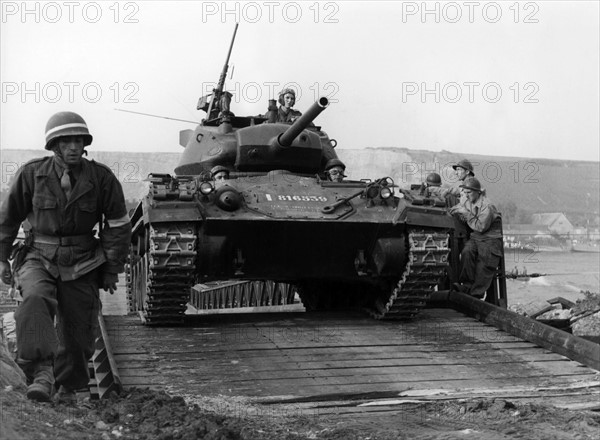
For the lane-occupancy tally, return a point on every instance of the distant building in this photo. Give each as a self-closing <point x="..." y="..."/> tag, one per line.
<point x="555" y="222"/>
<point x="586" y="234"/>
<point x="547" y="229"/>
<point x="520" y="236"/>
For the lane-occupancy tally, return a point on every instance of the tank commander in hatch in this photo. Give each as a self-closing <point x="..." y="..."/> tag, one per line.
<point x="62" y="264"/>
<point x="482" y="252"/>
<point x="335" y="170"/>
<point x="285" y="112"/>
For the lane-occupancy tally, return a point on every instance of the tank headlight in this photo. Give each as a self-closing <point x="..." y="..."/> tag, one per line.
<point x="206" y="188"/>
<point x="386" y="192"/>
<point x="372" y="192"/>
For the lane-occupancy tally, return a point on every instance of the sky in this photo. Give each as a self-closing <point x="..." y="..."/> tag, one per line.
<point x="500" y="78"/>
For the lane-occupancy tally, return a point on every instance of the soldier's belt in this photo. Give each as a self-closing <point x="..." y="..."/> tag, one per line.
<point x="69" y="240"/>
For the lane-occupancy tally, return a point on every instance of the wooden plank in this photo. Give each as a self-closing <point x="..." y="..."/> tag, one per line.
<point x="230" y="341"/>
<point x="296" y="378"/>
<point x="277" y="359"/>
<point x="319" y="389"/>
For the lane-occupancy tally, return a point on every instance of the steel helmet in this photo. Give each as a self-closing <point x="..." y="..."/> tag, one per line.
<point x="285" y="92"/>
<point x="466" y="164"/>
<point x="433" y="179"/>
<point x="472" y="183"/>
<point x="335" y="163"/>
<point x="66" y="124"/>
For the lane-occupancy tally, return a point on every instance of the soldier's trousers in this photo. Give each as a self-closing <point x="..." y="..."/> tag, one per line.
<point x="479" y="260"/>
<point x="70" y="344"/>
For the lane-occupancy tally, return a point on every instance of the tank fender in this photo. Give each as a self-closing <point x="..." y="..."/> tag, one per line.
<point x="388" y="256"/>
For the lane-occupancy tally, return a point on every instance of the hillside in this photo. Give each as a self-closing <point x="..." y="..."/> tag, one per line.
<point x="534" y="185"/>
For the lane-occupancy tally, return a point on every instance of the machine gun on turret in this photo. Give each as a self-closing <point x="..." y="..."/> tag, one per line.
<point x="220" y="102"/>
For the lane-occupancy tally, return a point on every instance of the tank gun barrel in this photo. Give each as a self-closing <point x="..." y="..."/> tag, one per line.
<point x="286" y="138"/>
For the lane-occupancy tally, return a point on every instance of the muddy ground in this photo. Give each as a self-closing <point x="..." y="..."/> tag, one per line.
<point x="143" y="414"/>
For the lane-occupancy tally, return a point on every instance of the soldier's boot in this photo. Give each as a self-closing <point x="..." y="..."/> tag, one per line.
<point x="28" y="367"/>
<point x="43" y="381"/>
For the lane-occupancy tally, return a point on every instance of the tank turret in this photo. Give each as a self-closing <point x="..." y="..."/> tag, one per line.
<point x="251" y="144"/>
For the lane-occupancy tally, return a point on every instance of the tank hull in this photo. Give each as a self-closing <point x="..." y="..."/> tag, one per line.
<point x="324" y="237"/>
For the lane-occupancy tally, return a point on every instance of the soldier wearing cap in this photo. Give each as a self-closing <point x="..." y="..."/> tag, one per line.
<point x="285" y="112"/>
<point x="219" y="173"/>
<point x="63" y="264"/>
<point x="482" y="252"/>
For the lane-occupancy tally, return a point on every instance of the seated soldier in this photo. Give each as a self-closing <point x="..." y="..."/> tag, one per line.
<point x="335" y="170"/>
<point x="482" y="252"/>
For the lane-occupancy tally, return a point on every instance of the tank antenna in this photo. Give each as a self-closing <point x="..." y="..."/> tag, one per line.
<point x="155" y="116"/>
<point x="217" y="92"/>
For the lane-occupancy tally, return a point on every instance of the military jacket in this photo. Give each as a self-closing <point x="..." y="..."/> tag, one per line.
<point x="290" y="116"/>
<point x="97" y="198"/>
<point x="482" y="217"/>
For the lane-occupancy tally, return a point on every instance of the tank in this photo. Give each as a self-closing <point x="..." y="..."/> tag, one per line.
<point x="275" y="226"/>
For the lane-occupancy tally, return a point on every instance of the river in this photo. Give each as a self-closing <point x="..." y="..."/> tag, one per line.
<point x="568" y="273"/>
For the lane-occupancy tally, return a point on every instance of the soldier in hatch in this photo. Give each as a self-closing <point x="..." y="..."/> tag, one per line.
<point x="285" y="112"/>
<point x="335" y="170"/>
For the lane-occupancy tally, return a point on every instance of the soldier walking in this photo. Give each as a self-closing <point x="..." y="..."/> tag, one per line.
<point x="63" y="264"/>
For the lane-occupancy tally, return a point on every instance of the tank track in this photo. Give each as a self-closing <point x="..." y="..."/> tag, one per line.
<point x="159" y="280"/>
<point x="427" y="262"/>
